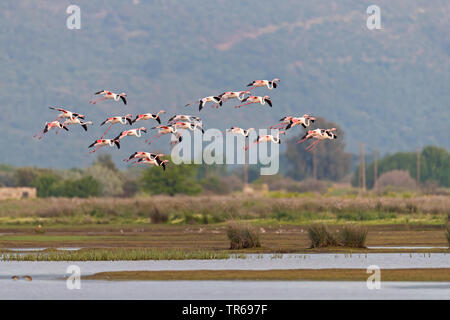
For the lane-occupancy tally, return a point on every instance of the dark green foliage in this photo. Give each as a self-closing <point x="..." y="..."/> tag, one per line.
<point x="24" y="177"/>
<point x="49" y="185"/>
<point x="81" y="188"/>
<point x="174" y="180"/>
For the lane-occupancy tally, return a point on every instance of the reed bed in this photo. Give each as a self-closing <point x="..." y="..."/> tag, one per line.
<point x="216" y="209"/>
<point x="350" y="236"/>
<point x="353" y="236"/>
<point x="320" y="236"/>
<point x="242" y="236"/>
<point x="114" y="255"/>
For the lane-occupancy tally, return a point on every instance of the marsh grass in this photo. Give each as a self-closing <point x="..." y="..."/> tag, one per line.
<point x="349" y="236"/>
<point x="320" y="236"/>
<point x="156" y="216"/>
<point x="242" y="235"/>
<point x="353" y="236"/>
<point x="114" y="255"/>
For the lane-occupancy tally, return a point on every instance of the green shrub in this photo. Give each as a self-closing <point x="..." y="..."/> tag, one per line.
<point x="242" y="236"/>
<point x="49" y="185"/>
<point x="176" y="179"/>
<point x="320" y="236"/>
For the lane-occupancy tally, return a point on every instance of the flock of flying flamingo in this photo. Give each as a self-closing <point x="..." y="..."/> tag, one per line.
<point x="187" y="122"/>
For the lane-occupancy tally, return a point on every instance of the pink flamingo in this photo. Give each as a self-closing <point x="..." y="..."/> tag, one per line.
<point x="108" y="95"/>
<point x="256" y="99"/>
<point x="104" y="142"/>
<point x="270" y="84"/>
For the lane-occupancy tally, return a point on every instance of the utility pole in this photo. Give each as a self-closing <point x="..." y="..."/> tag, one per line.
<point x="375" y="166"/>
<point x="418" y="168"/>
<point x="362" y="166"/>
<point x="314" y="165"/>
<point x="245" y="169"/>
<point x="245" y="174"/>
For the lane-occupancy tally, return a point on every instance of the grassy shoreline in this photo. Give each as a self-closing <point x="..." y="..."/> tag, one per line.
<point x="429" y="274"/>
<point x="130" y="254"/>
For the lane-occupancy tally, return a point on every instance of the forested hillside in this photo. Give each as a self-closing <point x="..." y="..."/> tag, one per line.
<point x="387" y="88"/>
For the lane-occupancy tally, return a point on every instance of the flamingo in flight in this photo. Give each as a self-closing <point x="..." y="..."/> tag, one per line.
<point x="189" y="125"/>
<point x="162" y="130"/>
<point x="256" y="99"/>
<point x="268" y="138"/>
<point x="240" y="95"/>
<point x="289" y="121"/>
<point x="108" y="95"/>
<point x="183" y="117"/>
<point x="49" y="126"/>
<point x="143" y="154"/>
<point x="104" y="142"/>
<point x="205" y="100"/>
<point x="155" y="161"/>
<point x="237" y="130"/>
<point x="114" y="120"/>
<point x="77" y="121"/>
<point x="270" y="84"/>
<point x="132" y="132"/>
<point x="67" y="114"/>
<point x="148" y="116"/>
<point x="320" y="135"/>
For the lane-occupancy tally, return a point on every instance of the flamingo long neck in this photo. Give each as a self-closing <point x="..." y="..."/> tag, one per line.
<point x="123" y="120"/>
<point x="270" y="84"/>
<point x="277" y="138"/>
<point x="307" y="122"/>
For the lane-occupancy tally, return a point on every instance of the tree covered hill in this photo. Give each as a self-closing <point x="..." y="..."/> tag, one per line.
<point x="387" y="88"/>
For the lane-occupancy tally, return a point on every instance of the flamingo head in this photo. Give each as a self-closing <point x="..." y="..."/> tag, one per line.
<point x="276" y="80"/>
<point x="123" y="94"/>
<point x="143" y="129"/>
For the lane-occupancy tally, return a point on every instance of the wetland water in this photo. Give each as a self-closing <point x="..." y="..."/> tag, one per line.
<point x="45" y="284"/>
<point x="233" y="290"/>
